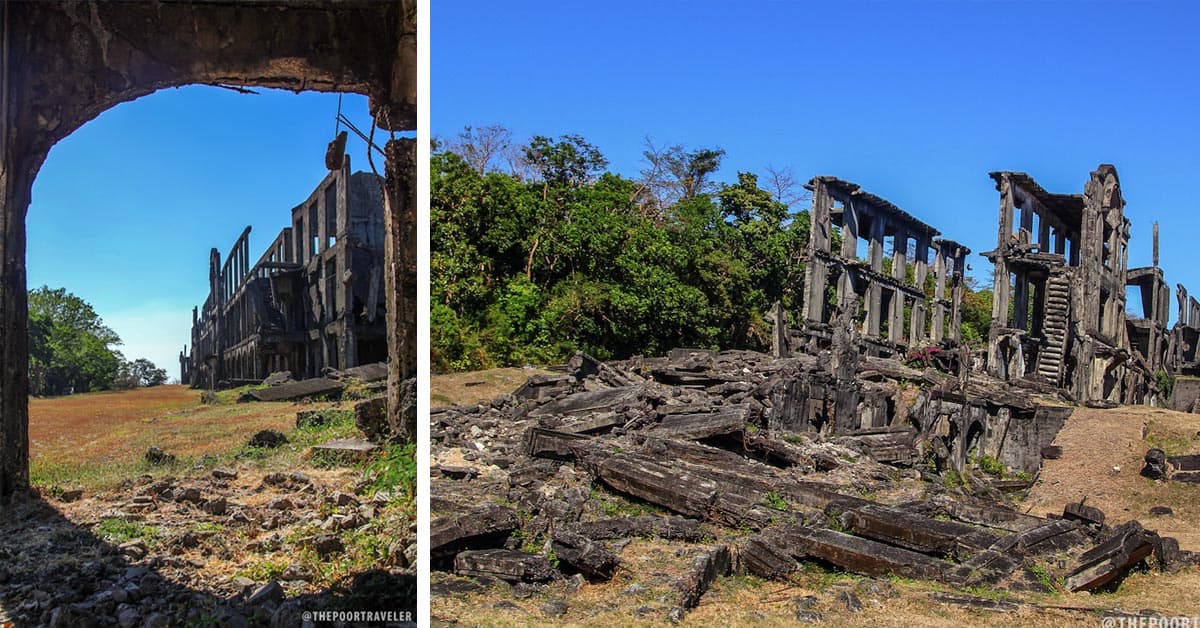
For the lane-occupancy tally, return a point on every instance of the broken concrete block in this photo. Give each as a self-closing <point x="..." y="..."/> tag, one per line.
<point x="1127" y="545"/>
<point x="485" y="527"/>
<point x="586" y="556"/>
<point x="505" y="564"/>
<point x="1087" y="515"/>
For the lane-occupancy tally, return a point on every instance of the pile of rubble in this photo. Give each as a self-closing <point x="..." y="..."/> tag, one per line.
<point x="754" y="451"/>
<point x="59" y="569"/>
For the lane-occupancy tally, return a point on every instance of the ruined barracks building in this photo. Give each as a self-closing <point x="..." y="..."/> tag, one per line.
<point x="1059" y="310"/>
<point x="313" y="300"/>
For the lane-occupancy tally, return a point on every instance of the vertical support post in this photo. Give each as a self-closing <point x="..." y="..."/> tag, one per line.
<point x="1155" y="254"/>
<point x="1000" y="285"/>
<point x="850" y="230"/>
<point x="960" y="263"/>
<point x="875" y="291"/>
<point x="916" y="326"/>
<point x="16" y="181"/>
<point x="816" y="272"/>
<point x="937" y="333"/>
<point x="899" y="273"/>
<point x="400" y="277"/>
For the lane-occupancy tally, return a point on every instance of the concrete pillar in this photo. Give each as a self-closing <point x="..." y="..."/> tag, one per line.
<point x="916" y="325"/>
<point x="16" y="179"/>
<point x="960" y="263"/>
<point x="400" y="255"/>
<point x="900" y="254"/>
<point x="938" y="328"/>
<point x="816" y="273"/>
<point x="1000" y="285"/>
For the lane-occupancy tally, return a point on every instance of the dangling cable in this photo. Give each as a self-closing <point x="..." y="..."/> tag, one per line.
<point x="337" y="126"/>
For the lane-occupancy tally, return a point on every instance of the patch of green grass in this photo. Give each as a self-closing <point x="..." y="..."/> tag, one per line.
<point x="991" y="593"/>
<point x="119" y="530"/>
<point x="1044" y="578"/>
<point x="1171" y="444"/>
<point x="208" y="526"/>
<point x="989" y="465"/>
<point x="231" y="395"/>
<point x="264" y="570"/>
<point x="773" y="500"/>
<point x="617" y="506"/>
<point x="954" y="479"/>
<point x="394" y="470"/>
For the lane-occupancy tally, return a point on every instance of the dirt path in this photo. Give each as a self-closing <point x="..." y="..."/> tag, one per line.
<point x="1096" y="441"/>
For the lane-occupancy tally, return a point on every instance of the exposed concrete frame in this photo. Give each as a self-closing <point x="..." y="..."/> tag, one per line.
<point x="895" y="308"/>
<point x="62" y="63"/>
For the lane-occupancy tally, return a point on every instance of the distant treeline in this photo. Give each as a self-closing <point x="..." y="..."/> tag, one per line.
<point x="72" y="350"/>
<point x="538" y="251"/>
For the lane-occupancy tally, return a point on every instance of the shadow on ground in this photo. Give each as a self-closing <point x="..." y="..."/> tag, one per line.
<point x="55" y="572"/>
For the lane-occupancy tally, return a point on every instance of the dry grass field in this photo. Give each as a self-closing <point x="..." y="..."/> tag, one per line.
<point x="475" y="386"/>
<point x="98" y="439"/>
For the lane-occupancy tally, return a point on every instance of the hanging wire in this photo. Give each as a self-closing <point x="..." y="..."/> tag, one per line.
<point x="337" y="126"/>
<point x="363" y="136"/>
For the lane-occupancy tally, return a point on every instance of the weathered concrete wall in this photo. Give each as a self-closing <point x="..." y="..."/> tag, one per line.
<point x="401" y="256"/>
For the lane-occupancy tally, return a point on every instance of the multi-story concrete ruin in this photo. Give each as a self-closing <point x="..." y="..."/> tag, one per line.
<point x="896" y="312"/>
<point x="313" y="300"/>
<point x="1059" y="314"/>
<point x="1060" y="325"/>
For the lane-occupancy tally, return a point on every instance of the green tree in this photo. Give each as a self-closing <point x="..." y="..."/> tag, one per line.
<point x="71" y="349"/>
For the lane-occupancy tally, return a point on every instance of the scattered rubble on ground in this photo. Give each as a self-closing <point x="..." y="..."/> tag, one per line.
<point x="764" y="465"/>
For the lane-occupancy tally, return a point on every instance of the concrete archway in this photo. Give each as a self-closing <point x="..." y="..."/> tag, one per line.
<point x="64" y="62"/>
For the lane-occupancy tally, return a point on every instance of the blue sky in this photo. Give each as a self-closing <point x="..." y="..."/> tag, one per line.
<point x="916" y="101"/>
<point x="125" y="209"/>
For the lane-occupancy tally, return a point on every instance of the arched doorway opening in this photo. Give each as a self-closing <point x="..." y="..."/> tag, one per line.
<point x="63" y="63"/>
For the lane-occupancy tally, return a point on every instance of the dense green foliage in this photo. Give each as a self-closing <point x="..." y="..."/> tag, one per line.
<point x="72" y="350"/>
<point x="559" y="255"/>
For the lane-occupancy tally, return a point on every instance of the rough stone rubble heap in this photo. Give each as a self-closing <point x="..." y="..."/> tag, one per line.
<point x="742" y="441"/>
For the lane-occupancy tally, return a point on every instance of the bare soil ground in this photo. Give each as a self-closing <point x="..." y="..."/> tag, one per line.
<point x="1094" y="441"/>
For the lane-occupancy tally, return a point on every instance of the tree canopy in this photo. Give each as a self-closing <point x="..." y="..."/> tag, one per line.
<point x="72" y="350"/>
<point x="558" y="254"/>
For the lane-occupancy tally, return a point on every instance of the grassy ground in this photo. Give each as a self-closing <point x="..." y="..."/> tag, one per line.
<point x="475" y="386"/>
<point x="98" y="441"/>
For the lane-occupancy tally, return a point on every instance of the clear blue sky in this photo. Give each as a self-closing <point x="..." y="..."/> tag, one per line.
<point x="916" y="101"/>
<point x="125" y="209"/>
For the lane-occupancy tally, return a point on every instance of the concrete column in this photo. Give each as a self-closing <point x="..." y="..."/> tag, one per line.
<point x="1039" y="307"/>
<point x="400" y="277"/>
<point x="938" y="328"/>
<point x="878" y="225"/>
<point x="960" y="264"/>
<point x="900" y="254"/>
<point x="1000" y="285"/>
<point x="1021" y="302"/>
<point x="16" y="179"/>
<point x="816" y="274"/>
<point x="849" y="230"/>
<point x="916" y="325"/>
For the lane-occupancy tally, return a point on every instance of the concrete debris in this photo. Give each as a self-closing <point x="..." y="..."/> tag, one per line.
<point x="778" y="448"/>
